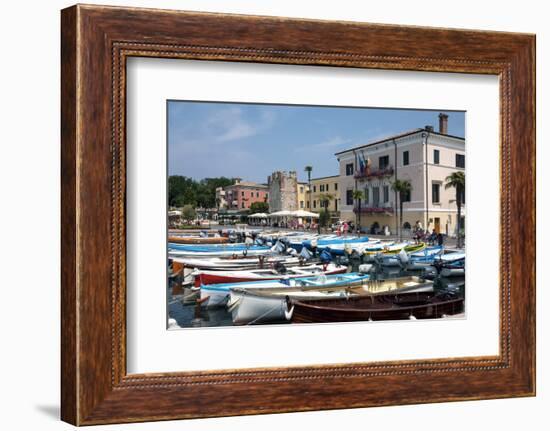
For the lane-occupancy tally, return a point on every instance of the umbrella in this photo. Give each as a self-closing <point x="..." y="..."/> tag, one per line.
<point x="283" y="213"/>
<point x="258" y="215"/>
<point x="303" y="213"/>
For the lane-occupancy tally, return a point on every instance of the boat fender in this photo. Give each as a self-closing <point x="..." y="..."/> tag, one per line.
<point x="289" y="311"/>
<point x="364" y="268"/>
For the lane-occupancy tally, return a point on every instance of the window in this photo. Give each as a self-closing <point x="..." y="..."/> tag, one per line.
<point x="335" y="204"/>
<point x="242" y="205"/>
<point x="435" y="193"/>
<point x="242" y="193"/>
<point x="322" y="188"/>
<point x="251" y="194"/>
<point x="314" y="204"/>
<point x="460" y="161"/>
<point x="257" y="194"/>
<point x="301" y="204"/>
<point x="436" y="157"/>
<point x="386" y="193"/>
<point x="349" y="197"/>
<point x="314" y="189"/>
<point x="376" y="196"/>
<point x="407" y="196"/>
<point x="349" y="169"/>
<point x="335" y="186"/>
<point x="383" y="162"/>
<point x="307" y="204"/>
<point x="405" y="158"/>
<point x="326" y="187"/>
<point x="301" y="189"/>
<point x="366" y="195"/>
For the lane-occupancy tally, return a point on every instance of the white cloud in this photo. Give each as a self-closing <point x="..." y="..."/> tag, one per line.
<point x="229" y="124"/>
<point x="328" y="144"/>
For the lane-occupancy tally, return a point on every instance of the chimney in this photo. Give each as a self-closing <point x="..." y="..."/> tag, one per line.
<point x="429" y="128"/>
<point x="443" y="120"/>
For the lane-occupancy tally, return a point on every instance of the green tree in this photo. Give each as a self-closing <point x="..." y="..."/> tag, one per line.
<point x="309" y="169"/>
<point x="402" y="188"/>
<point x="324" y="199"/>
<point x="186" y="191"/>
<point x="358" y="195"/>
<point x="458" y="181"/>
<point x="188" y="213"/>
<point x="259" y="207"/>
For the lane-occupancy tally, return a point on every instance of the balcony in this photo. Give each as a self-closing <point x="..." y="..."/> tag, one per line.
<point x="375" y="210"/>
<point x="374" y="173"/>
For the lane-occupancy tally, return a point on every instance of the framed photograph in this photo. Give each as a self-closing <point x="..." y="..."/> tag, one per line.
<point x="325" y="215"/>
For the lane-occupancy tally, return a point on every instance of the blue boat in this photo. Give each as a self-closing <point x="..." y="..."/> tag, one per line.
<point x="212" y="247"/>
<point x="325" y="243"/>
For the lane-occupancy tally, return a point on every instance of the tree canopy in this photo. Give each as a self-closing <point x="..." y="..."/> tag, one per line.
<point x="199" y="194"/>
<point x="259" y="207"/>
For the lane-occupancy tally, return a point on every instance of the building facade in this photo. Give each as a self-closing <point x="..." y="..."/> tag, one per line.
<point x="283" y="191"/>
<point x="242" y="194"/>
<point x="325" y="186"/>
<point x="423" y="157"/>
<point x="302" y="195"/>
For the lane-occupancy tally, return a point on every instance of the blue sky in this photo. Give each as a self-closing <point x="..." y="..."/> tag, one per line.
<point x="207" y="139"/>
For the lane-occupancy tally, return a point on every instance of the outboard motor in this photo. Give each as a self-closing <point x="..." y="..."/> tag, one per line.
<point x="325" y="256"/>
<point x="365" y="268"/>
<point x="403" y="257"/>
<point x="280" y="268"/>
<point x="306" y="254"/>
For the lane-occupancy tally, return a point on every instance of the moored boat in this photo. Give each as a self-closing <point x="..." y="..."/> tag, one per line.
<point x="399" y="255"/>
<point x="250" y="306"/>
<point x="240" y="262"/>
<point x="219" y="251"/>
<point x="198" y="240"/>
<point x="451" y="264"/>
<point x="419" y="305"/>
<point x="216" y="295"/>
<point x="274" y="273"/>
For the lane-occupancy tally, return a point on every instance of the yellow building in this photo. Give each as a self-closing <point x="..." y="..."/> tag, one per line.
<point x="324" y="186"/>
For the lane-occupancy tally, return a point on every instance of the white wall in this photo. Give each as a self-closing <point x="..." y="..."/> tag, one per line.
<point x="29" y="174"/>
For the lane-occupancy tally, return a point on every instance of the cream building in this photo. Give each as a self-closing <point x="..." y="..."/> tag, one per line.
<point x="422" y="156"/>
<point x="302" y="195"/>
<point x="325" y="185"/>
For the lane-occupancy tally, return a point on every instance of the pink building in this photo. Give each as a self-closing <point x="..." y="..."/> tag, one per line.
<point x="242" y="194"/>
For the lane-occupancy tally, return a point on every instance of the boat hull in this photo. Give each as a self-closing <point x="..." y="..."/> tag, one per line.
<point x="316" y="312"/>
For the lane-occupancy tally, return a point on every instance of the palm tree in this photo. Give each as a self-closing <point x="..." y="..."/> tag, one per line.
<point x="308" y="169"/>
<point x="324" y="199"/>
<point x="402" y="188"/>
<point x="458" y="181"/>
<point x="358" y="195"/>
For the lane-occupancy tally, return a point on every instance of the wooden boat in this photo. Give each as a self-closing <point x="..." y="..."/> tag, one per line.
<point x="239" y="262"/>
<point x="198" y="240"/>
<point x="217" y="250"/>
<point x="273" y="273"/>
<point x="451" y="264"/>
<point x="250" y="306"/>
<point x="376" y="307"/>
<point x="332" y="240"/>
<point x="415" y="256"/>
<point x="424" y="258"/>
<point x="217" y="295"/>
